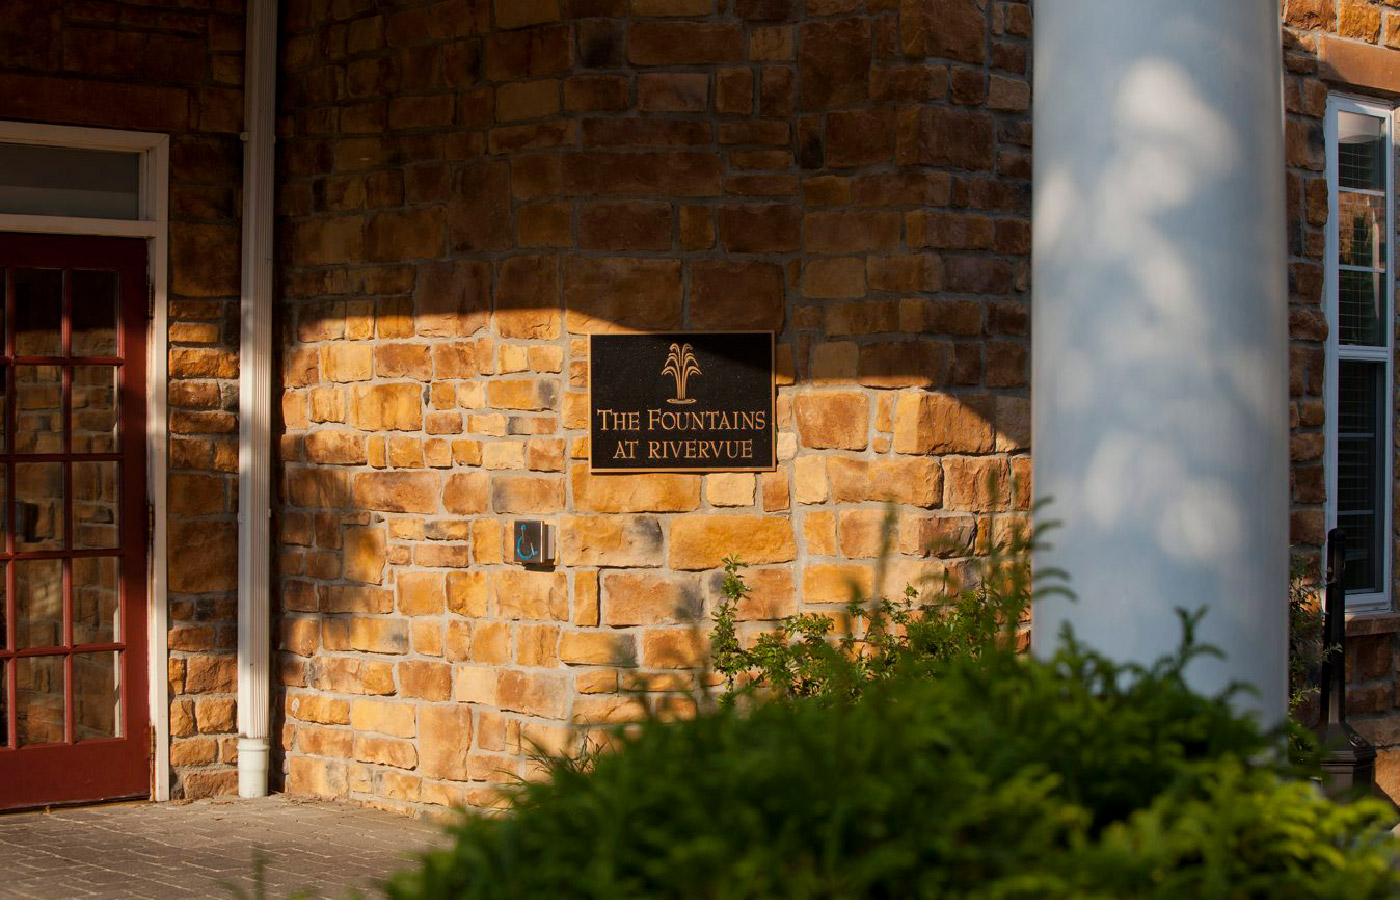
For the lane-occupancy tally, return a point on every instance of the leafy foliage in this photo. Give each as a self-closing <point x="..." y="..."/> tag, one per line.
<point x="814" y="655"/>
<point x="1305" y="638"/>
<point x="864" y="778"/>
<point x="1004" y="777"/>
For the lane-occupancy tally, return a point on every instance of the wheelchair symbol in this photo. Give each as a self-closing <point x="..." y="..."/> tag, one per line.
<point x="525" y="551"/>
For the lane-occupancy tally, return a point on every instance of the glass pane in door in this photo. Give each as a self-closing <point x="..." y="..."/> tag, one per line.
<point x="38" y="506"/>
<point x="96" y="600"/>
<point x="38" y="409"/>
<point x="96" y="308"/>
<point x="38" y="603"/>
<point x="95" y="496"/>
<point x="38" y="312"/>
<point x="96" y="695"/>
<point x="95" y="392"/>
<point x="39" y="700"/>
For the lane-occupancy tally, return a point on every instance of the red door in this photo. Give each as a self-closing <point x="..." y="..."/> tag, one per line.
<point x="74" y="723"/>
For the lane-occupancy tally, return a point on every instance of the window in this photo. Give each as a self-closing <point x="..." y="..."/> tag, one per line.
<point x="60" y="181"/>
<point x="1360" y="265"/>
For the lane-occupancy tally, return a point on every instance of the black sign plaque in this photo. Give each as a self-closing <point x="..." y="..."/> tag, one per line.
<point x="681" y="402"/>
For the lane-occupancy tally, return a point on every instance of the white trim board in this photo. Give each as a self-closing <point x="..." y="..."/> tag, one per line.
<point x="154" y="226"/>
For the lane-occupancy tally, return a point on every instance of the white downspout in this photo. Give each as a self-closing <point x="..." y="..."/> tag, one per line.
<point x="255" y="402"/>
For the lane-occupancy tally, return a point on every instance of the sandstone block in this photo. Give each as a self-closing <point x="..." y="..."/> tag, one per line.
<point x="533" y="693"/>
<point x="527" y="494"/>
<point x="315" y="708"/>
<point x="730" y="489"/>
<point x="537" y="645"/>
<point x="834" y="62"/>
<point x="977" y="484"/>
<point x="347" y="362"/>
<point x="523" y="393"/>
<point x="944" y="536"/>
<point x="315" y="777"/>
<point x="467" y="493"/>
<point x="950" y="28"/>
<point x="524" y="594"/>
<point x="451" y="299"/>
<point x="634" y="493"/>
<point x="671" y="44"/>
<point x="610" y="540"/>
<point x="474" y="684"/>
<point x="597" y="648"/>
<point x="350" y="598"/>
<point x="608" y="709"/>
<point x="736" y="295"/>
<point x="674" y="648"/>
<point x="828" y="583"/>
<point x="632" y="598"/>
<point x="425" y="680"/>
<point x="410" y="492"/>
<point x="914" y="481"/>
<point x="388" y="407"/>
<point x="527" y="298"/>
<point x="390" y="717"/>
<point x="204" y="556"/>
<point x="767" y="228"/>
<point x="621" y="294"/>
<point x="833" y="421"/>
<point x="596" y="681"/>
<point x="456" y="556"/>
<point x="774" y="594"/>
<point x="940" y="423"/>
<point x="490" y="643"/>
<point x="403" y="361"/>
<point x="376" y="635"/>
<point x="421" y="593"/>
<point x="468" y="594"/>
<point x="626" y="225"/>
<point x="445" y="734"/>
<point x="365" y="550"/>
<point x="457" y="644"/>
<point x="896" y="364"/>
<point x="862" y="532"/>
<point x="810" y="479"/>
<point x="702" y="543"/>
<point x="213" y="715"/>
<point x="342" y="675"/>
<point x="340" y="448"/>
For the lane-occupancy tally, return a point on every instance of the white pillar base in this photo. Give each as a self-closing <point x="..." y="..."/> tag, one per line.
<point x="1160" y="338"/>
<point x="252" y="767"/>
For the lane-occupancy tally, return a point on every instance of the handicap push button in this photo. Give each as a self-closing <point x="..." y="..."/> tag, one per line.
<point x="533" y="542"/>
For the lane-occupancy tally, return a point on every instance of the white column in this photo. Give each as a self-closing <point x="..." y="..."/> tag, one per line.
<point x="255" y="403"/>
<point x="1160" y="354"/>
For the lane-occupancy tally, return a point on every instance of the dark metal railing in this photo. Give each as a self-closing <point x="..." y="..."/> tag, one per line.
<point x="1348" y="759"/>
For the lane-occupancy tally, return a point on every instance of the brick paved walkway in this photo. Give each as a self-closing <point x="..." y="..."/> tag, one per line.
<point x="191" y="851"/>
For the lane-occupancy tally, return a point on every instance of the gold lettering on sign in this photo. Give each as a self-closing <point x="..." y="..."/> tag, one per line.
<point x="696" y="402"/>
<point x="697" y="449"/>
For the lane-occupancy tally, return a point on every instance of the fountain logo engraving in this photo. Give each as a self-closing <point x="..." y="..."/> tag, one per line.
<point x="680" y="365"/>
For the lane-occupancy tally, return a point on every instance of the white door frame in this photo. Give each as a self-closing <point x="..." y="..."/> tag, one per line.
<point x="153" y="225"/>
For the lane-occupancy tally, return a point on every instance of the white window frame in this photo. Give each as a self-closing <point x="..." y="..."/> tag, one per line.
<point x="152" y="224"/>
<point x="1336" y="352"/>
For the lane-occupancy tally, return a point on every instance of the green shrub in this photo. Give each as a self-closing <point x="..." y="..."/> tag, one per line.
<point x="815" y="655"/>
<point x="1004" y="777"/>
<point x="1305" y="641"/>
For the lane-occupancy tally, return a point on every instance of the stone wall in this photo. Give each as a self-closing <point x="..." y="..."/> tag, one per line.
<point x="173" y="67"/>
<point x="468" y="189"/>
<point x="1339" y="45"/>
